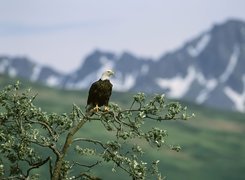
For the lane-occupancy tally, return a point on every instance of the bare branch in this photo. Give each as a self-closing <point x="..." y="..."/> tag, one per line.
<point x="51" y="146"/>
<point x="87" y="166"/>
<point x="37" y="165"/>
<point x="90" y="140"/>
<point x="68" y="142"/>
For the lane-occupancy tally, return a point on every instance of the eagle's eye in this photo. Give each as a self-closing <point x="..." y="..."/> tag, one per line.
<point x="109" y="72"/>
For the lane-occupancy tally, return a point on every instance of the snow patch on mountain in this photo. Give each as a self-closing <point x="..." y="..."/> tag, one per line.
<point x="105" y="65"/>
<point x="125" y="83"/>
<point x="178" y="86"/>
<point x="87" y="81"/>
<point x="231" y="65"/>
<point x="52" y="81"/>
<point x="208" y="84"/>
<point x="12" y="72"/>
<point x="237" y="98"/>
<point x="194" y="51"/>
<point x="36" y="72"/>
<point x="84" y="83"/>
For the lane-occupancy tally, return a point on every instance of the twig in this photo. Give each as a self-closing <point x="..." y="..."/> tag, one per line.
<point x="46" y="126"/>
<point x="105" y="148"/>
<point x="132" y="105"/>
<point x="50" y="168"/>
<point x="88" y="176"/>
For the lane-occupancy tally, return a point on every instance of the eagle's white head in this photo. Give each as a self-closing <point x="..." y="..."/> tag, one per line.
<point x="106" y="75"/>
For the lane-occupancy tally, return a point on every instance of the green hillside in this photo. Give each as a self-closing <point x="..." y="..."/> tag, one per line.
<point x="213" y="145"/>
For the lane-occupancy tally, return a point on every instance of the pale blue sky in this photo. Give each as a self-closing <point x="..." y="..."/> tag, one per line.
<point x="61" y="33"/>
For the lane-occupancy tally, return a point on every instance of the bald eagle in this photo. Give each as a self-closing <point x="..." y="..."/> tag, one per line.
<point x="99" y="93"/>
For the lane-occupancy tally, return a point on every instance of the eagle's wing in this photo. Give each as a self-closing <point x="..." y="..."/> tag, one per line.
<point x="93" y="91"/>
<point x="108" y="93"/>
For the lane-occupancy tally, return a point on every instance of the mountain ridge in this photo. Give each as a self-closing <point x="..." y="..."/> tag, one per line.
<point x="209" y="69"/>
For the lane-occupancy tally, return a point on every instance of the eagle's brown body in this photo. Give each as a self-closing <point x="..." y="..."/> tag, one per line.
<point x="99" y="93"/>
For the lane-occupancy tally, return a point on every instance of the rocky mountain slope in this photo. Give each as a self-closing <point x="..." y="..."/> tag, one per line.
<point x="209" y="69"/>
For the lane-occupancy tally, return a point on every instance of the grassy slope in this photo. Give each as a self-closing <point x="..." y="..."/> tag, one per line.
<point x="212" y="144"/>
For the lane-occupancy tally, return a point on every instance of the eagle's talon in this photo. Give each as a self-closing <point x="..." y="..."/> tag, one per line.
<point x="96" y="108"/>
<point x="106" y="108"/>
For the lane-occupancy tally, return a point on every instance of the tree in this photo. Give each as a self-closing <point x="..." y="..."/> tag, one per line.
<point x="26" y="131"/>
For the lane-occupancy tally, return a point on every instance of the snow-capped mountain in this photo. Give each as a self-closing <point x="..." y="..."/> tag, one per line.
<point x="27" y="69"/>
<point x="127" y="67"/>
<point x="209" y="69"/>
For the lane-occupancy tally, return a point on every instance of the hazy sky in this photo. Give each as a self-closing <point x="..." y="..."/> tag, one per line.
<point x="62" y="32"/>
